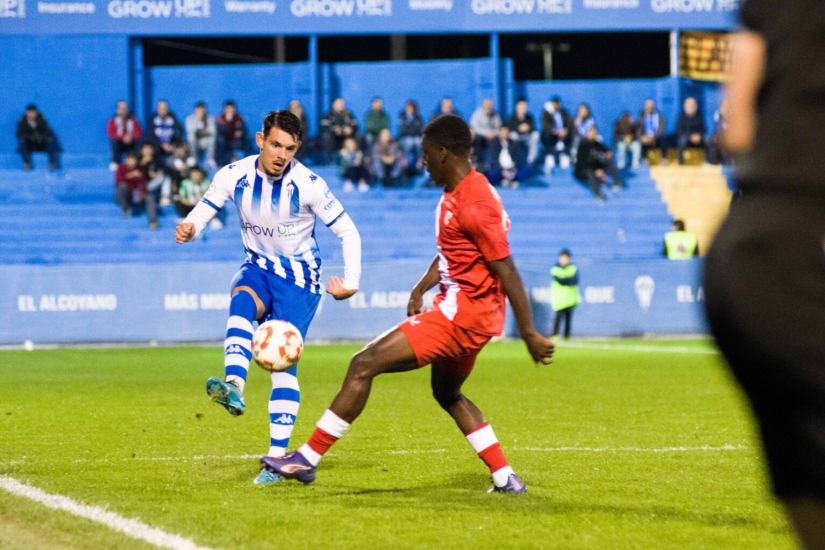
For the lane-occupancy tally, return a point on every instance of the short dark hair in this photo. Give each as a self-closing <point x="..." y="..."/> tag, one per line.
<point x="228" y="103"/>
<point x="131" y="154"/>
<point x="283" y="120"/>
<point x="197" y="168"/>
<point x="679" y="225"/>
<point x="452" y="133"/>
<point x="519" y="100"/>
<point x="565" y="252"/>
<point x="31" y="107"/>
<point x="200" y="104"/>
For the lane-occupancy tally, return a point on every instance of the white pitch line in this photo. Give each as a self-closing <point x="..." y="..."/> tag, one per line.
<point x="654" y="349"/>
<point x="702" y="448"/>
<point x="130" y="527"/>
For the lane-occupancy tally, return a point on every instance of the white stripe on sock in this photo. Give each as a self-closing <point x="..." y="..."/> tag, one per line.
<point x="280" y="431"/>
<point x="333" y="424"/>
<point x="281" y="406"/>
<point x="276" y="451"/>
<point x="236" y="321"/>
<point x="481" y="439"/>
<point x="284" y="380"/>
<point x="237" y="360"/>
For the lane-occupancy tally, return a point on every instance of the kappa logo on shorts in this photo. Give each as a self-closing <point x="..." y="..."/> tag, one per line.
<point x="242" y="183"/>
<point x="283" y="419"/>
<point x="235" y="348"/>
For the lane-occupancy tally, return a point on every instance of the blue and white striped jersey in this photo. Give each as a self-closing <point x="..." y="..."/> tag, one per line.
<point x="278" y="216"/>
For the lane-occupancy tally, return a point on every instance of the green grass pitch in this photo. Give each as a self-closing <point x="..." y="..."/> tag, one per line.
<point x="649" y="448"/>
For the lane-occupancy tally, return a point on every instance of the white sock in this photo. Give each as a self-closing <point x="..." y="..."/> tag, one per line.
<point x="500" y="476"/>
<point x="237" y="380"/>
<point x="311" y="456"/>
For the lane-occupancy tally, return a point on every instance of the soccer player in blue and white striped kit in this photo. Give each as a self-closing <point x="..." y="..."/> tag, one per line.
<point x="278" y="200"/>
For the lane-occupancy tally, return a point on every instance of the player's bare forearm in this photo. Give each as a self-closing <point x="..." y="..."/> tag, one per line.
<point x="541" y="349"/>
<point x="429" y="280"/>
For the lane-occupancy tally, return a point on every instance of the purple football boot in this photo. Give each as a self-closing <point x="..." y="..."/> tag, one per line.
<point x="291" y="466"/>
<point x="514" y="485"/>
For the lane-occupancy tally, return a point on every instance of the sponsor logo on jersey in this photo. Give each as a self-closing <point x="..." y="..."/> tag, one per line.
<point x="283" y="419"/>
<point x="521" y="7"/>
<point x="242" y="183"/>
<point x="340" y="8"/>
<point x="13" y="8"/>
<point x="160" y="9"/>
<point x="235" y="348"/>
<point x="258" y="230"/>
<point x="645" y="286"/>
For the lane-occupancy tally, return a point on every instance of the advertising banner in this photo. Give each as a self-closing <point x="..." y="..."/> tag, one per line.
<point x="303" y="17"/>
<point x="706" y="55"/>
<point x="190" y="302"/>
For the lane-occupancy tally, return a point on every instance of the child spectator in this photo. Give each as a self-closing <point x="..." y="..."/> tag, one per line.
<point x="232" y="142"/>
<point x="336" y="126"/>
<point x="178" y="164"/>
<point x="130" y="189"/>
<point x="165" y="131"/>
<point x="201" y="134"/>
<point x="35" y="135"/>
<point x="387" y="160"/>
<point x="625" y="140"/>
<point x="351" y="166"/>
<point x="124" y="133"/>
<point x="410" y="131"/>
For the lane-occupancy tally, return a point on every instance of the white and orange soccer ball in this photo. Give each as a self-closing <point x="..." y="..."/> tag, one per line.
<point x="277" y="345"/>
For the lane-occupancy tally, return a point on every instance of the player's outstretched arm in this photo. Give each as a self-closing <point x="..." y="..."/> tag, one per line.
<point x="184" y="233"/>
<point x="429" y="280"/>
<point x="540" y="348"/>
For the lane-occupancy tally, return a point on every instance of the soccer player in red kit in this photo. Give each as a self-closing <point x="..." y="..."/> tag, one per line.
<point x="475" y="272"/>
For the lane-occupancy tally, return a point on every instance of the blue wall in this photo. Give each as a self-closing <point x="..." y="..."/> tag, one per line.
<point x="190" y="301"/>
<point x="257" y="89"/>
<point x="75" y="82"/>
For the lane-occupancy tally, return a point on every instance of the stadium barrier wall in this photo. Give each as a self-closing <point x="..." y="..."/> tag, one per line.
<point x="189" y="302"/>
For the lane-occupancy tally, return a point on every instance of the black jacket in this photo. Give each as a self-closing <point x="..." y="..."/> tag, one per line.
<point x="518" y="152"/>
<point x="410" y="127"/>
<point x="686" y="125"/>
<point x="592" y="155"/>
<point x="40" y="133"/>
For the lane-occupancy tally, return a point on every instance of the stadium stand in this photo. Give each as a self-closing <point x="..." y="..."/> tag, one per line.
<point x="70" y="218"/>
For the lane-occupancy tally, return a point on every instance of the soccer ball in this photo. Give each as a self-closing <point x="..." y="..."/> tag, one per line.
<point x="277" y="345"/>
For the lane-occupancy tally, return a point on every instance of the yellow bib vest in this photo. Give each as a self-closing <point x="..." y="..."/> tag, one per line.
<point x="680" y="245"/>
<point x="564" y="296"/>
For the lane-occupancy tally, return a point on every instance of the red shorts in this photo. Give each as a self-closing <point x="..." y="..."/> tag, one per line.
<point x="436" y="339"/>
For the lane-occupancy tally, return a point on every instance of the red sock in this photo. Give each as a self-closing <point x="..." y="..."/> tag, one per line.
<point x="493" y="457"/>
<point x="321" y="441"/>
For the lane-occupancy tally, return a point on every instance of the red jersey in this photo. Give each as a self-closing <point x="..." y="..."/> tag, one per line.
<point x="471" y="229"/>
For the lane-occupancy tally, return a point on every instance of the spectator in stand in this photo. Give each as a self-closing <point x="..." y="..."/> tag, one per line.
<point x="625" y="139"/>
<point x="191" y="191"/>
<point x="523" y="129"/>
<point x="508" y="160"/>
<point x="296" y="108"/>
<point x="130" y="189"/>
<point x="165" y="130"/>
<point x="233" y="139"/>
<point x="410" y="132"/>
<point x="388" y="162"/>
<point x="581" y="125"/>
<point x="717" y="153"/>
<point x="124" y="133"/>
<point x="595" y="163"/>
<point x="352" y="166"/>
<point x="376" y="120"/>
<point x="35" y="135"/>
<point x="336" y="126"/>
<point x="201" y="133"/>
<point x="485" y="124"/>
<point x="178" y="165"/>
<point x="651" y="128"/>
<point x="446" y="107"/>
<point x="556" y="134"/>
<point x="158" y="181"/>
<point x="690" y="128"/>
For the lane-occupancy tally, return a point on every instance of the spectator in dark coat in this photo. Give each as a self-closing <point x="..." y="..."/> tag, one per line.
<point x="165" y="130"/>
<point x="508" y="160"/>
<point x="233" y="137"/>
<point x="625" y="139"/>
<point x="130" y="189"/>
<point x="124" y="133"/>
<point x="556" y="134"/>
<point x="650" y="128"/>
<point x="376" y="120"/>
<point x="336" y="126"/>
<point x="594" y="163"/>
<point x="690" y="128"/>
<point x="35" y="135"/>
<point x="297" y="109"/>
<point x="523" y="129"/>
<point x="410" y="131"/>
